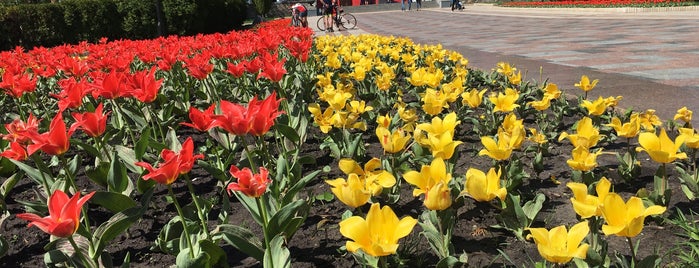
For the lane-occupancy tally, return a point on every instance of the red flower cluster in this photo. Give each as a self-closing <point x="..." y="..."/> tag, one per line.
<point x="64" y="214"/>
<point x="173" y="165"/>
<point x="236" y="119"/>
<point x="252" y="185"/>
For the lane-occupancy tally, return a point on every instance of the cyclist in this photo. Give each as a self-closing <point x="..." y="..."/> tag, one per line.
<point x="299" y="13"/>
<point x="328" y="6"/>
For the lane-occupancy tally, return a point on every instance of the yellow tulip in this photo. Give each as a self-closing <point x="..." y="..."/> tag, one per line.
<point x="352" y="192"/>
<point x="383" y="121"/>
<point x="378" y="234"/>
<point x="514" y="138"/>
<point x="473" y="98"/>
<point x="511" y="124"/>
<point x="392" y="142"/>
<point x="587" y="134"/>
<point x="452" y="90"/>
<point x="540" y="105"/>
<point x="438" y="197"/>
<point x="625" y="219"/>
<point x="684" y="114"/>
<point x="691" y="138"/>
<point x="497" y="150"/>
<point x="505" y="68"/>
<point x="585" y="84"/>
<point x="374" y="178"/>
<point x="661" y="148"/>
<point x="551" y="91"/>
<point x="324" y="80"/>
<point x="560" y="245"/>
<point x="627" y="130"/>
<point x="439" y="125"/>
<point x="537" y="137"/>
<point x="505" y="102"/>
<point x="582" y="159"/>
<point x="612" y="101"/>
<point x="359" y="73"/>
<point x="324" y="119"/>
<point x="407" y="115"/>
<point x="433" y="102"/>
<point x="587" y="205"/>
<point x="442" y="145"/>
<point x="428" y="178"/>
<point x="358" y="107"/>
<point x="649" y="120"/>
<point x="598" y="107"/>
<point x="515" y="79"/>
<point x="482" y="187"/>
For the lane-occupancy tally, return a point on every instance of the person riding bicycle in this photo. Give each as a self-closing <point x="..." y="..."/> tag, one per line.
<point x="299" y="13"/>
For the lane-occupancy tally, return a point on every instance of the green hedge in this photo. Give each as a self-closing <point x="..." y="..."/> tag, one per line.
<point x="72" y="21"/>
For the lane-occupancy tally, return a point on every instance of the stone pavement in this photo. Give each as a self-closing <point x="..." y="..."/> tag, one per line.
<point x="651" y="57"/>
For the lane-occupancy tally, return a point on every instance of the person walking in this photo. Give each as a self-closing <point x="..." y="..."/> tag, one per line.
<point x="418" y="4"/>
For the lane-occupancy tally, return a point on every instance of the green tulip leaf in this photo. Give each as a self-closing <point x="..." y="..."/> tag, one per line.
<point x="35" y="174"/>
<point x="242" y="239"/>
<point x="114" y="202"/>
<point x="184" y="259"/>
<point x="142" y="143"/>
<point x="277" y="255"/>
<point x="118" y="224"/>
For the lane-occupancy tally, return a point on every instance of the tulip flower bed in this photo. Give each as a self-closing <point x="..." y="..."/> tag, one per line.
<point x="273" y="148"/>
<point x="600" y="3"/>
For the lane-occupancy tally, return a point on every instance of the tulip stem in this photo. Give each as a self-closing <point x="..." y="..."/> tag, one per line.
<point x="78" y="252"/>
<point x="204" y="226"/>
<point x="633" y="251"/>
<point x="45" y="182"/>
<point x="263" y="212"/>
<point x="663" y="185"/>
<point x="182" y="219"/>
<point x="248" y="154"/>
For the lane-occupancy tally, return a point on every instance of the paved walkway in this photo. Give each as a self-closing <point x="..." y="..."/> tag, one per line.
<point x="651" y="58"/>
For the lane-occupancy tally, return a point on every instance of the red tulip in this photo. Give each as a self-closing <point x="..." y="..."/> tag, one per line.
<point x="16" y="85"/>
<point x="110" y="86"/>
<point x="201" y="120"/>
<point x="237" y="70"/>
<point x="199" y="66"/>
<point x="72" y="93"/>
<point x="272" y="69"/>
<point x="255" y="65"/>
<point x="247" y="183"/>
<point x="262" y="114"/>
<point x="185" y="157"/>
<point x="64" y="214"/>
<point x="233" y="118"/>
<point x="55" y="141"/>
<point x="173" y="164"/>
<point x="144" y="86"/>
<point x="166" y="173"/>
<point x="92" y="123"/>
<point x="16" y="152"/>
<point x="73" y="67"/>
<point x="21" y="132"/>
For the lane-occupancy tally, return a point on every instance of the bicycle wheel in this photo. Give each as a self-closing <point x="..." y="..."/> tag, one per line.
<point x="321" y="23"/>
<point x="348" y="21"/>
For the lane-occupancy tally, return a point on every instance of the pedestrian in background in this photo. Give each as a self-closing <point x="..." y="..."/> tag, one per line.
<point x="418" y="4"/>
